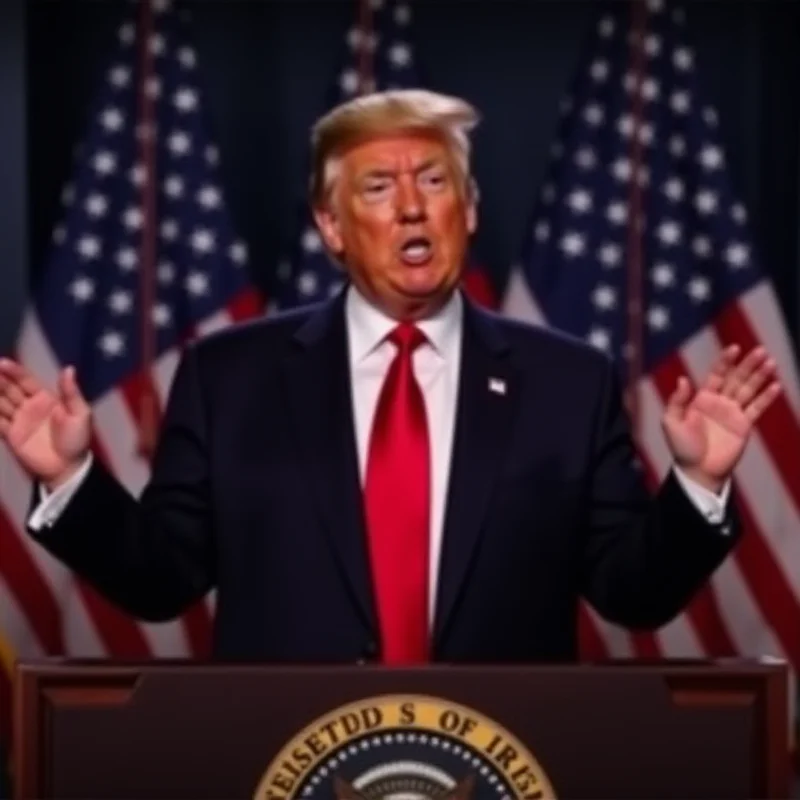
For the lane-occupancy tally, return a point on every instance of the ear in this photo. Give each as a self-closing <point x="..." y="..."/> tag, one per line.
<point x="472" y="206"/>
<point x="472" y="218"/>
<point x="329" y="228"/>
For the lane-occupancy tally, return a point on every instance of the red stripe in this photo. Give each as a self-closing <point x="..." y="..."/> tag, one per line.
<point x="768" y="585"/>
<point x="591" y="645"/>
<point x="28" y="586"/>
<point x="245" y="305"/>
<point x="778" y="426"/>
<point x="478" y="287"/>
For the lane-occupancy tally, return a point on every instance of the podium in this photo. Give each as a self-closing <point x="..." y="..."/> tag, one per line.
<point x="362" y="732"/>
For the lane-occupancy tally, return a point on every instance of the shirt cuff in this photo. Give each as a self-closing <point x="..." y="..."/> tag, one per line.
<point x="51" y="504"/>
<point x="712" y="506"/>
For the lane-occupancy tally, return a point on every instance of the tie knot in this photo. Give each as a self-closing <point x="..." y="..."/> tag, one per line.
<point x="407" y="336"/>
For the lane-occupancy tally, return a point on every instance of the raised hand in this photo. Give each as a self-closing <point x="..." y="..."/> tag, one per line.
<point x="48" y="433"/>
<point x="707" y="430"/>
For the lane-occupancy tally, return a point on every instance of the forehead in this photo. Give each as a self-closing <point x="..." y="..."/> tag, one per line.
<point x="401" y="151"/>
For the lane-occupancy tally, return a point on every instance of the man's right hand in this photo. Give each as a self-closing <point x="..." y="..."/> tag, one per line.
<point x="49" y="434"/>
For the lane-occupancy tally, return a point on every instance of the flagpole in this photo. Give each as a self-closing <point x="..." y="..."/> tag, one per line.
<point x="148" y="407"/>
<point x="635" y="337"/>
<point x="366" y="70"/>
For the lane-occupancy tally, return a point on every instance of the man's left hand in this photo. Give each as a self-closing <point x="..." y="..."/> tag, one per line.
<point x="707" y="430"/>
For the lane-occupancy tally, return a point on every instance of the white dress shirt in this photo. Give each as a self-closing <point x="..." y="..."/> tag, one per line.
<point x="436" y="366"/>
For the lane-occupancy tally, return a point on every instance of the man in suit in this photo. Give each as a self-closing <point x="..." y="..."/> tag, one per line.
<point x="396" y="475"/>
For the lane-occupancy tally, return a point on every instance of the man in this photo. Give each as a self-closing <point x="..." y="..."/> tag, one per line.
<point x="396" y="475"/>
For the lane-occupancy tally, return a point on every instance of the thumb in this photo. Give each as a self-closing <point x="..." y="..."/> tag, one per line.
<point x="679" y="400"/>
<point x="70" y="393"/>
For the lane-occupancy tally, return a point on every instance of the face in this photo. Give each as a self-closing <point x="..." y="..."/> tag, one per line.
<point x="399" y="219"/>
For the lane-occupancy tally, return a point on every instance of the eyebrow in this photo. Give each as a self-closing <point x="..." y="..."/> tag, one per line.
<point x="383" y="172"/>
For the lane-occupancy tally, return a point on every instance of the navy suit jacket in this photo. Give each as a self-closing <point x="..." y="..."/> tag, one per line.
<point x="255" y="491"/>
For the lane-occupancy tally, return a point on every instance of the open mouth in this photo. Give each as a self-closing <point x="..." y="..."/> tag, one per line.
<point x="416" y="251"/>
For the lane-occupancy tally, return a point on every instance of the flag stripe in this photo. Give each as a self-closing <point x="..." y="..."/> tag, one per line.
<point x="765" y="319"/>
<point x="778" y="424"/>
<point x="25" y="583"/>
<point x="592" y="645"/>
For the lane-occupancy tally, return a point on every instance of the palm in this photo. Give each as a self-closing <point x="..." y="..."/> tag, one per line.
<point x="712" y="434"/>
<point x="707" y="432"/>
<point x="39" y="443"/>
<point x="47" y="432"/>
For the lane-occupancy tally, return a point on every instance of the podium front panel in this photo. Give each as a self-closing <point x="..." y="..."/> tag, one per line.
<point x="173" y="730"/>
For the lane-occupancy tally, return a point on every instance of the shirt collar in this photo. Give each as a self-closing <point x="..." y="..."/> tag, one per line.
<point x="369" y="326"/>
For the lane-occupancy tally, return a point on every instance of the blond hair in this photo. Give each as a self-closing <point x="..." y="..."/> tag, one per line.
<point x="384" y="113"/>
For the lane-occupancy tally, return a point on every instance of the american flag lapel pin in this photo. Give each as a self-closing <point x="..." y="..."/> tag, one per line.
<point x="497" y="385"/>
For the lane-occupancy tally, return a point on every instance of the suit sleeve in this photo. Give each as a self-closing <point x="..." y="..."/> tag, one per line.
<point x="644" y="556"/>
<point x="155" y="556"/>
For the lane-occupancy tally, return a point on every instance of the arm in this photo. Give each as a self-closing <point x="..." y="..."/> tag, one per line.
<point x="153" y="557"/>
<point x="643" y="558"/>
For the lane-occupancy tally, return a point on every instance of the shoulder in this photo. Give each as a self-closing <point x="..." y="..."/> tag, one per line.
<point x="548" y="351"/>
<point x="264" y="338"/>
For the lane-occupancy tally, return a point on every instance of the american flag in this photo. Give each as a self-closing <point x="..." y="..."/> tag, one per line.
<point x="144" y="259"/>
<point x="640" y="246"/>
<point x="379" y="55"/>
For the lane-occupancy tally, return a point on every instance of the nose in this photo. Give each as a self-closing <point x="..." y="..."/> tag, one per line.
<point x="410" y="201"/>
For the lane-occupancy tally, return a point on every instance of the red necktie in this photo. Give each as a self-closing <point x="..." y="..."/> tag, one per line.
<point x="397" y="500"/>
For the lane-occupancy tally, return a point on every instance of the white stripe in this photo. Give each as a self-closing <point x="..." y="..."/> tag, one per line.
<point x="34" y="352"/>
<point x="164" y="372"/>
<point x="222" y="319"/>
<point x="758" y="480"/>
<point x="117" y="434"/>
<point x="749" y="628"/>
<point x="766" y="318"/>
<point x="15" y="627"/>
<point x="616" y="639"/>
<point x="166" y="639"/>
<point x="518" y="301"/>
<point x="677" y="639"/>
<point x="81" y="639"/>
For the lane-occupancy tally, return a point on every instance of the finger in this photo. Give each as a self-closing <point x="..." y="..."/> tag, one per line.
<point x="763" y="401"/>
<point x="17" y="374"/>
<point x="70" y="393"/>
<point x="7" y="408"/>
<point x="12" y="392"/>
<point x="5" y="426"/>
<point x="749" y="364"/>
<point x="755" y="382"/>
<point x="679" y="399"/>
<point x="722" y="367"/>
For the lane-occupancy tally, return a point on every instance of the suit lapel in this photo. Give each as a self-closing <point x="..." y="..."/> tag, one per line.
<point x="317" y="380"/>
<point x="487" y="401"/>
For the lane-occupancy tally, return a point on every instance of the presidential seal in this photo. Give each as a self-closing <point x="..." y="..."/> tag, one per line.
<point x="404" y="747"/>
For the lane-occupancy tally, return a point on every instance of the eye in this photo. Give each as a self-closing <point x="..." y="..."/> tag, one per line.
<point x="374" y="189"/>
<point x="434" y="179"/>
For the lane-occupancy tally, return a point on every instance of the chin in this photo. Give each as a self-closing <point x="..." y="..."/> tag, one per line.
<point x="424" y="286"/>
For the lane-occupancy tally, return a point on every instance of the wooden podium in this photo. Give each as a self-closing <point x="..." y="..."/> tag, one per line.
<point x="187" y="730"/>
